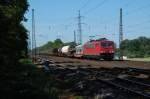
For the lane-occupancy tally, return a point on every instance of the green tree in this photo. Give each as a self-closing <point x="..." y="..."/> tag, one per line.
<point x="139" y="47"/>
<point x="13" y="35"/>
<point x="57" y="43"/>
<point x="18" y="80"/>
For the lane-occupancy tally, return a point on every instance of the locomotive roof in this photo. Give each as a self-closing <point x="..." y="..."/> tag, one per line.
<point x="99" y="40"/>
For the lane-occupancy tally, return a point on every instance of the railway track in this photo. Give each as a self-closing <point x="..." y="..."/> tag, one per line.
<point x="124" y="84"/>
<point x="131" y="65"/>
<point x="111" y="78"/>
<point x="45" y="54"/>
<point x="127" y="85"/>
<point x="143" y="71"/>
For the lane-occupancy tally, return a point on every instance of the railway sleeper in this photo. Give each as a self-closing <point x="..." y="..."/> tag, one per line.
<point x="112" y="84"/>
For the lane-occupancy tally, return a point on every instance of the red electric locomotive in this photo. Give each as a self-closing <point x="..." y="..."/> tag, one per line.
<point x="99" y="49"/>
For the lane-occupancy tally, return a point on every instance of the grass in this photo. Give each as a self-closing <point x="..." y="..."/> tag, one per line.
<point x="78" y="97"/>
<point x="26" y="61"/>
<point x="25" y="81"/>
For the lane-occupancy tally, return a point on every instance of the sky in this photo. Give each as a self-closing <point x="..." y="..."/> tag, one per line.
<point x="100" y="18"/>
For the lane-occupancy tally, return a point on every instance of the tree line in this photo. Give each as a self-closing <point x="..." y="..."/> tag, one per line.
<point x="52" y="45"/>
<point x="136" y="48"/>
<point x="19" y="77"/>
<point x="13" y="35"/>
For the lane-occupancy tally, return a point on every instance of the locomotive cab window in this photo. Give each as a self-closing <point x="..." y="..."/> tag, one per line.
<point x="90" y="45"/>
<point x="107" y="44"/>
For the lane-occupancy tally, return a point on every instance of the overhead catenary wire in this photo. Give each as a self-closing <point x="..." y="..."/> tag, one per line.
<point x="104" y="1"/>
<point x="70" y="23"/>
<point x="136" y="10"/>
<point x="138" y="24"/>
<point x="85" y="5"/>
<point x="130" y="12"/>
<point x="99" y="5"/>
<point x="95" y="7"/>
<point x="129" y="3"/>
<point x="130" y="27"/>
<point x="134" y="30"/>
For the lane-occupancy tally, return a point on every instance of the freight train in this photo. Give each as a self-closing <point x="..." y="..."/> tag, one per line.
<point x="93" y="49"/>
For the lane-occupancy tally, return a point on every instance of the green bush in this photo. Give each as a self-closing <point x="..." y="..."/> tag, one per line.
<point x="26" y="82"/>
<point x="136" y="48"/>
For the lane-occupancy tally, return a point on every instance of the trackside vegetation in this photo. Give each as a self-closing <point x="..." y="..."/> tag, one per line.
<point x="136" y="48"/>
<point x="49" y="46"/>
<point x="19" y="77"/>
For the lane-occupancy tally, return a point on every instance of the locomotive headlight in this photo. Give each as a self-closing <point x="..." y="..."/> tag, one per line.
<point x="102" y="51"/>
<point x="111" y="51"/>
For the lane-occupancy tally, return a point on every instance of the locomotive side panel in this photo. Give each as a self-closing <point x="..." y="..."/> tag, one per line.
<point x="99" y="49"/>
<point x="91" y="50"/>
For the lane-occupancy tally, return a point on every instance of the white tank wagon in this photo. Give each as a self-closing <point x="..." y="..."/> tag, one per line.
<point x="68" y="50"/>
<point x="65" y="49"/>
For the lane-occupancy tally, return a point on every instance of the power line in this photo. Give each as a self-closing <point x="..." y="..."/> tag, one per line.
<point x="129" y="3"/>
<point x="88" y="1"/>
<point x="68" y="25"/>
<point x="138" y="24"/>
<point x="140" y="28"/>
<point x="95" y="7"/>
<point x="136" y="10"/>
<point x="71" y="22"/>
<point x="135" y="31"/>
<point x="131" y="12"/>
